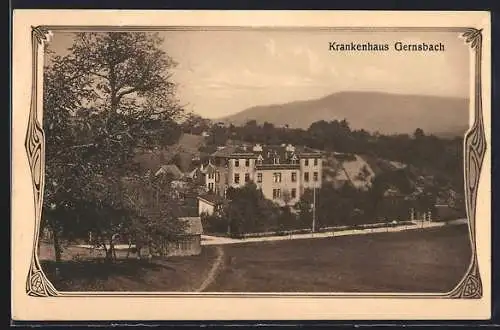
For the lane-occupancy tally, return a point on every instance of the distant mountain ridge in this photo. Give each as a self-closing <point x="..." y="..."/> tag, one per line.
<point x="372" y="111"/>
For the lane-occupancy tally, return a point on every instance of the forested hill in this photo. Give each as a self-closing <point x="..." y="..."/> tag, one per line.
<point x="371" y="111"/>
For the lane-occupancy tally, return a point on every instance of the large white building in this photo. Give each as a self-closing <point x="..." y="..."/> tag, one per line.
<point x="281" y="172"/>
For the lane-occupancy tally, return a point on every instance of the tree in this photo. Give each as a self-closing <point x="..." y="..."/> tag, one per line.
<point x="63" y="92"/>
<point x="195" y="124"/>
<point x="249" y="211"/>
<point x="110" y="95"/>
<point x="157" y="211"/>
<point x="218" y="136"/>
<point x="104" y="212"/>
<point x="418" y="134"/>
<point x="287" y="198"/>
<point x="304" y="207"/>
<point x="126" y="69"/>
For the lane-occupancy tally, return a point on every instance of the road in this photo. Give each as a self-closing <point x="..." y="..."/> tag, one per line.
<point x="217" y="240"/>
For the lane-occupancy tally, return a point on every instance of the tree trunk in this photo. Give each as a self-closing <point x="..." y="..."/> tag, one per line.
<point x="111" y="250"/>
<point x="57" y="245"/>
<point x="150" y="251"/>
<point x="128" y="249"/>
<point x="107" y="252"/>
<point x="138" y="248"/>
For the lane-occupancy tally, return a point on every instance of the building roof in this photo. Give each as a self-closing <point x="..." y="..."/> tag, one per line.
<point x="211" y="198"/>
<point x="209" y="169"/>
<point x="268" y="152"/>
<point x="285" y="166"/>
<point x="193" y="225"/>
<point x="228" y="151"/>
<point x="193" y="173"/>
<point x="170" y="169"/>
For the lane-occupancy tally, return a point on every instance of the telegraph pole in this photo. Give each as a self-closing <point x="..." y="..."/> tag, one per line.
<point x="314" y="211"/>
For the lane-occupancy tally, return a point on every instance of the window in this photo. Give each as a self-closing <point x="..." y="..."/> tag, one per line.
<point x="294" y="193"/>
<point x="276" y="193"/>
<point x="277" y="177"/>
<point x="236" y="178"/>
<point x="236" y="163"/>
<point x="259" y="177"/>
<point x="217" y="177"/>
<point x="276" y="160"/>
<point x="306" y="176"/>
<point x="210" y="186"/>
<point x="247" y="162"/>
<point x="315" y="161"/>
<point x="306" y="162"/>
<point x="211" y="175"/>
<point x="294" y="177"/>
<point x="315" y="176"/>
<point x="247" y="177"/>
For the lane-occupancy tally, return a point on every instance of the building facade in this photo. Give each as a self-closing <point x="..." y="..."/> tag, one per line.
<point x="282" y="173"/>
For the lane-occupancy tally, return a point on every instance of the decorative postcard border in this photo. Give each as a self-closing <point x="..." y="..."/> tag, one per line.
<point x="470" y="286"/>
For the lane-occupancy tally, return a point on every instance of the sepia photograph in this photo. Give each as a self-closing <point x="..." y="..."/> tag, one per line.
<point x="254" y="161"/>
<point x="241" y="161"/>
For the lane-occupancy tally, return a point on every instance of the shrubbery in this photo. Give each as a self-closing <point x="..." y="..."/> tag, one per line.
<point x="250" y="212"/>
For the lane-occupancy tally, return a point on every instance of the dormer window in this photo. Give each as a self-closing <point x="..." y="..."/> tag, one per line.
<point x="259" y="160"/>
<point x="293" y="160"/>
<point x="276" y="160"/>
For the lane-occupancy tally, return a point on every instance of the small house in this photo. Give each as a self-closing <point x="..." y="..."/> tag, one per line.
<point x="189" y="243"/>
<point x="209" y="203"/>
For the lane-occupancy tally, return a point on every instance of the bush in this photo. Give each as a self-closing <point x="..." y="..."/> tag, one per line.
<point x="214" y="224"/>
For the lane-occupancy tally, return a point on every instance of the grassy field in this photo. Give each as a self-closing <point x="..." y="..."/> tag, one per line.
<point x="433" y="260"/>
<point x="430" y="260"/>
<point x="92" y="274"/>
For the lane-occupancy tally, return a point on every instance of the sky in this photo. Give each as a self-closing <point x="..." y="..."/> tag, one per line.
<point x="223" y="72"/>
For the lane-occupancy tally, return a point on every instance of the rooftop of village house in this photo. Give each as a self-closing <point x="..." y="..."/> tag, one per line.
<point x="212" y="198"/>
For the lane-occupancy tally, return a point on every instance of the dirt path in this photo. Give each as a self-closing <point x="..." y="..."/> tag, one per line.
<point x="214" y="271"/>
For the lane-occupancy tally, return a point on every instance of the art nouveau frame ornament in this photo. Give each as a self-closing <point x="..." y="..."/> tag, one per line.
<point x="475" y="147"/>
